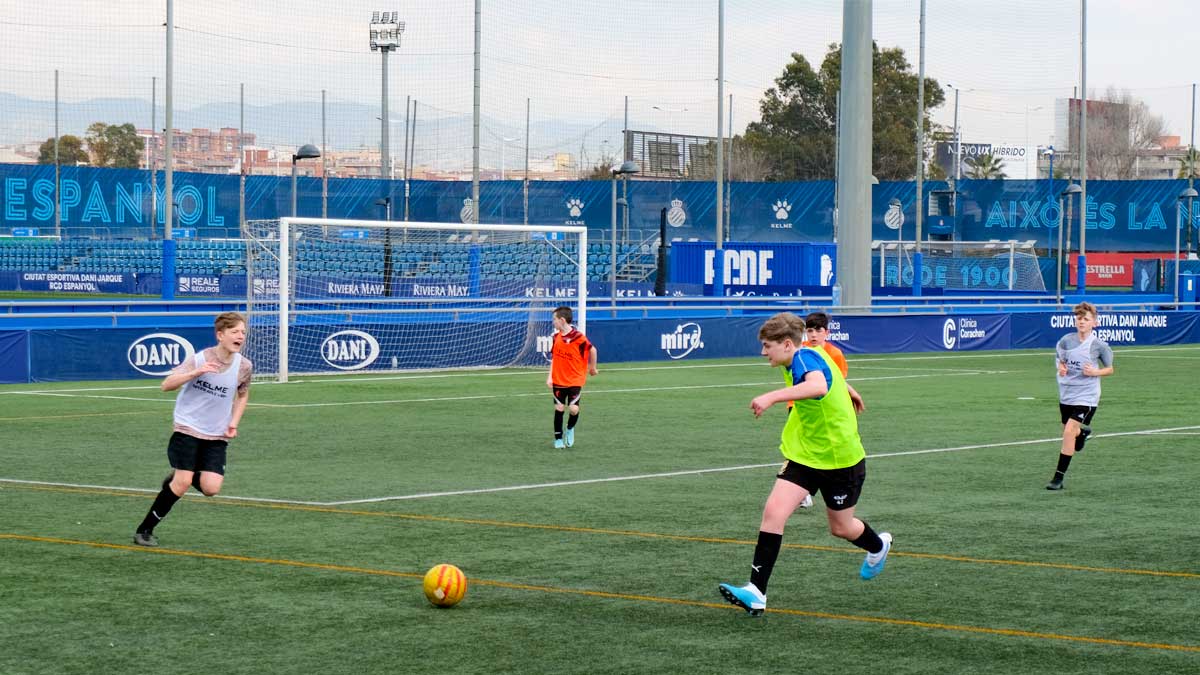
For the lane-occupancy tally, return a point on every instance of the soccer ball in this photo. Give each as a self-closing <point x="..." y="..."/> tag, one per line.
<point x="445" y="585"/>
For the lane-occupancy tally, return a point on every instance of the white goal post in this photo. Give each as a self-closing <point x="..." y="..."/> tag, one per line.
<point x="329" y="296"/>
<point x="1008" y="265"/>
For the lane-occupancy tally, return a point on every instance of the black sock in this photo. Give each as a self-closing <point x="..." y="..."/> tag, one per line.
<point x="765" y="553"/>
<point x="572" y="420"/>
<point x="196" y="482"/>
<point x="868" y="540"/>
<point x="558" y="415"/>
<point x="159" y="509"/>
<point x="1063" y="462"/>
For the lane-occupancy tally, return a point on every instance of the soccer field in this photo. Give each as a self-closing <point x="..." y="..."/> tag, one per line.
<point x="341" y="492"/>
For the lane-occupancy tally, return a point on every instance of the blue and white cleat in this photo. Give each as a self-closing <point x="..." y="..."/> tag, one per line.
<point x="569" y="437"/>
<point x="747" y="597"/>
<point x="559" y="444"/>
<point x="874" y="562"/>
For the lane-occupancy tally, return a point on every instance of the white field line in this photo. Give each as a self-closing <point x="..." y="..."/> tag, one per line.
<point x="614" y="479"/>
<point x="591" y="392"/>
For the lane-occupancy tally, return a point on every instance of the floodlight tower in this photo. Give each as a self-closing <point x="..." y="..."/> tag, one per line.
<point x="386" y="29"/>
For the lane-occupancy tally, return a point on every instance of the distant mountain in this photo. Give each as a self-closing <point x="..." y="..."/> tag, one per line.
<point x="441" y="140"/>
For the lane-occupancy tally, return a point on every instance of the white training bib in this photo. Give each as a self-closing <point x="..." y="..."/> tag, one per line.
<point x="206" y="403"/>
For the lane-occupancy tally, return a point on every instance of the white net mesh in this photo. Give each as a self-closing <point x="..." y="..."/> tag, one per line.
<point x="368" y="296"/>
<point x="962" y="265"/>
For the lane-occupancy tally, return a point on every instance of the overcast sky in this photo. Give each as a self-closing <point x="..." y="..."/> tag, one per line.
<point x="578" y="59"/>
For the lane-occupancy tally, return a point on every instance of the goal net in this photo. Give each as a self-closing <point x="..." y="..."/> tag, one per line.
<point x="961" y="265"/>
<point x="353" y="296"/>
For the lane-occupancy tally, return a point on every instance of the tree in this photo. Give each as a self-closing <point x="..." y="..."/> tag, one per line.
<point x="747" y="163"/>
<point x="114" y="145"/>
<point x="798" y="117"/>
<point x="937" y="135"/>
<point x="1120" y="127"/>
<point x="985" y="166"/>
<point x="602" y="170"/>
<point x="1189" y="164"/>
<point x="70" y="151"/>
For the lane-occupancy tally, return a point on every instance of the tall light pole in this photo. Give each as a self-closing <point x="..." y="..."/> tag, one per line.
<point x="1188" y="194"/>
<point x="626" y="169"/>
<point x="719" y="257"/>
<point x="168" y="254"/>
<point x="917" y="259"/>
<point x="306" y="151"/>
<point x="386" y="29"/>
<point x="1081" y="279"/>
<point x="957" y="142"/>
<point x="1027" y="111"/>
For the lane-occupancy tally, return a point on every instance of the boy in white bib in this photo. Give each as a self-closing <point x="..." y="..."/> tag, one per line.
<point x="214" y="387"/>
<point x="1082" y="359"/>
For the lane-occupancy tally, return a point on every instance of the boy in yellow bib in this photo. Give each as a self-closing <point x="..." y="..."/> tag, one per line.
<point x="824" y="455"/>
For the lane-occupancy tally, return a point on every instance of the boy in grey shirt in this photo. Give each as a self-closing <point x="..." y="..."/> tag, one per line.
<point x="1082" y="360"/>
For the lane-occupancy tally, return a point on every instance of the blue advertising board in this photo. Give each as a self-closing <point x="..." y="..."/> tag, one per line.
<point x="756" y="268"/>
<point x="14" y="356"/>
<point x="1119" y="215"/>
<point x="111" y="353"/>
<point x="44" y="354"/>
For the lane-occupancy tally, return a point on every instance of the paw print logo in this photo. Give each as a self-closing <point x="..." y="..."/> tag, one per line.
<point x="575" y="207"/>
<point x="782" y="209"/>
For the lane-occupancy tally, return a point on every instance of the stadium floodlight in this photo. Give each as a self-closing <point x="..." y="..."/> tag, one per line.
<point x="386" y="29"/>
<point x="306" y="151"/>
<point x="626" y="169"/>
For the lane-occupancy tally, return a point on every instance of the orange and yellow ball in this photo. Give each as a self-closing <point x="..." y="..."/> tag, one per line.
<point x="445" y="585"/>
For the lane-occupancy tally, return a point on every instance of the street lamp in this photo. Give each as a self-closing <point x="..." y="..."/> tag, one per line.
<point x="626" y="169"/>
<point x="386" y="29"/>
<point x="306" y="151"/>
<point x="1187" y="194"/>
<point x="1066" y="195"/>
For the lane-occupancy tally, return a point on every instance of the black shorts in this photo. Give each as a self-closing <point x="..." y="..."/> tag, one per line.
<point x="189" y="453"/>
<point x="567" y="395"/>
<point x="840" y="488"/>
<point x="1080" y="413"/>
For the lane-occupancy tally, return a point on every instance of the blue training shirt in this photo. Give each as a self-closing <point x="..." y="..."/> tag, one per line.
<point x="807" y="360"/>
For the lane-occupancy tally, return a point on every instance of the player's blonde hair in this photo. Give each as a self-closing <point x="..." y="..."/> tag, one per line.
<point x="1084" y="308"/>
<point x="782" y="326"/>
<point x="227" y="320"/>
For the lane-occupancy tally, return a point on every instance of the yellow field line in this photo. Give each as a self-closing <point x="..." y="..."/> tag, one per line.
<point x="614" y="596"/>
<point x="217" y="501"/>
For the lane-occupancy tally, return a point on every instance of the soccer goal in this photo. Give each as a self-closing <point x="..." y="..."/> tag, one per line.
<point x="354" y="296"/>
<point x="962" y="265"/>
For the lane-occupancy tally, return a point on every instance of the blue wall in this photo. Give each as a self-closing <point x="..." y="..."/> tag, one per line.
<point x="55" y="354"/>
<point x="1121" y="215"/>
